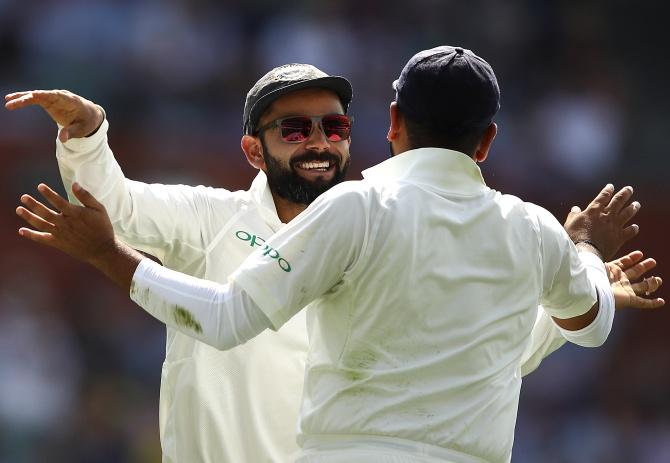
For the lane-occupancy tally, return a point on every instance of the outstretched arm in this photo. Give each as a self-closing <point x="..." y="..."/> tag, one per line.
<point x="220" y="315"/>
<point x="154" y="218"/>
<point x="630" y="290"/>
<point x="76" y="116"/>
<point x="598" y="232"/>
<point x="271" y="286"/>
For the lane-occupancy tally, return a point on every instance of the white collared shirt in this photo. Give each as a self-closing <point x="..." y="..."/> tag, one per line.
<point x="235" y="406"/>
<point x="426" y="285"/>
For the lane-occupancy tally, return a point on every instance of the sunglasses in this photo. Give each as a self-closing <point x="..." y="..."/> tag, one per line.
<point x="297" y="129"/>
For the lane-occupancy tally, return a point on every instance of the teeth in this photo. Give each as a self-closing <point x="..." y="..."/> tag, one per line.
<point x="321" y="165"/>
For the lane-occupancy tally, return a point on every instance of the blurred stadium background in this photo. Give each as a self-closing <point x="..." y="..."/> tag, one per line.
<point x="585" y="101"/>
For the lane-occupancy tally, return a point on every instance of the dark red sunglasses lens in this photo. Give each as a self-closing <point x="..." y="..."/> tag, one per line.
<point x="336" y="127"/>
<point x="296" y="129"/>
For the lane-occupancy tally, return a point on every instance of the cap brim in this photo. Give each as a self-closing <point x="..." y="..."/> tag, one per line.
<point x="337" y="84"/>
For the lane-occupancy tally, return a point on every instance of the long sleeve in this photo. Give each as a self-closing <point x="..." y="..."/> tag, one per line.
<point x="153" y="218"/>
<point x="272" y="284"/>
<point x="544" y="340"/>
<point x="598" y="330"/>
<point x="573" y="282"/>
<point x="222" y="316"/>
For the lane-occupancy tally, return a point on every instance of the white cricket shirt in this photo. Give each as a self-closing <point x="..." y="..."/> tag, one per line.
<point x="237" y="406"/>
<point x="425" y="285"/>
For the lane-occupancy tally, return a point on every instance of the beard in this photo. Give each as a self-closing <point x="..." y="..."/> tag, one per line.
<point x="288" y="184"/>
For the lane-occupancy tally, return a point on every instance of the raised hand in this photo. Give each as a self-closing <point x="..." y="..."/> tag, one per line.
<point x="84" y="232"/>
<point x="78" y="116"/>
<point x="629" y="291"/>
<point x="603" y="223"/>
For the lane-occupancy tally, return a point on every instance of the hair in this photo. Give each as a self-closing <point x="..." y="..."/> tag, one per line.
<point x="421" y="136"/>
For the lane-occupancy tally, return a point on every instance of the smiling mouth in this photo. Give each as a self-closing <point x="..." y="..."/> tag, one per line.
<point x="314" y="166"/>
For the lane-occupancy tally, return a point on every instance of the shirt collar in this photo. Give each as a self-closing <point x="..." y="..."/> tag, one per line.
<point x="448" y="170"/>
<point x="262" y="196"/>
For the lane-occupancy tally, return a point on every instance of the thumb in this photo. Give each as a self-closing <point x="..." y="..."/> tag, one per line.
<point x="86" y="198"/>
<point x="573" y="211"/>
<point x="63" y="135"/>
<point x="75" y="130"/>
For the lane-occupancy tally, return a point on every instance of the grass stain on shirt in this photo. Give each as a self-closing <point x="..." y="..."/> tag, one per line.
<point x="183" y="317"/>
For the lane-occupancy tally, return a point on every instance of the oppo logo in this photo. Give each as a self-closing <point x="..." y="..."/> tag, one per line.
<point x="271" y="252"/>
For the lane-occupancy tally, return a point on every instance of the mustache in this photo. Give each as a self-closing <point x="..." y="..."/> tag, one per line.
<point x="312" y="155"/>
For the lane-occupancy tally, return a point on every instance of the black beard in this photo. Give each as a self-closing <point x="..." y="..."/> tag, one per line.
<point x="286" y="183"/>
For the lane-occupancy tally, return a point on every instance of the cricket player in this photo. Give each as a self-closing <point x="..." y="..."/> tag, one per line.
<point x="381" y="379"/>
<point x="215" y="406"/>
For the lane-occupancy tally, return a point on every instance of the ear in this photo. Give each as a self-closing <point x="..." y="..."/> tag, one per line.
<point x="482" y="150"/>
<point x="394" y="117"/>
<point x="253" y="150"/>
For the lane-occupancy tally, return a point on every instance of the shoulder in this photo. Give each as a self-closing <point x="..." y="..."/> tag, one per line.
<point x="218" y="196"/>
<point x="350" y="194"/>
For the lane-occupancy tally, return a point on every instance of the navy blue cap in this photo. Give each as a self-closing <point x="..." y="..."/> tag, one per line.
<point x="448" y="88"/>
<point x="286" y="79"/>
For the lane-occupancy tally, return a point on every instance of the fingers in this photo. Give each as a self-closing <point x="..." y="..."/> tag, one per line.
<point x="47" y="99"/>
<point x="646" y="288"/>
<point x="653" y="283"/>
<point x="629" y="212"/>
<point x="630" y="259"/>
<point x="35" y="220"/>
<point x="630" y="232"/>
<point x="640" y="269"/>
<point x="40" y="209"/>
<point x="55" y="199"/>
<point x="637" y="302"/>
<point x="22" y="99"/>
<point x="37" y="236"/>
<point x="15" y="95"/>
<point x="619" y="199"/>
<point x="603" y="198"/>
<point x="86" y="198"/>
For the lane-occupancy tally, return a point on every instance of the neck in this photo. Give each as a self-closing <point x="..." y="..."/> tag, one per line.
<point x="287" y="210"/>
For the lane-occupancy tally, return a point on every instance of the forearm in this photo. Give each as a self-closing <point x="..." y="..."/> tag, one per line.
<point x="149" y="217"/>
<point x="118" y="262"/>
<point x="90" y="162"/>
<point x="222" y="316"/>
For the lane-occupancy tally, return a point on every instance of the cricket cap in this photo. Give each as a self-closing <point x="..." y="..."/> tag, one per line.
<point x="448" y="89"/>
<point x="286" y="79"/>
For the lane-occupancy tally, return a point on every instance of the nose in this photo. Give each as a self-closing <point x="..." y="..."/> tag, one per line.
<point x="317" y="139"/>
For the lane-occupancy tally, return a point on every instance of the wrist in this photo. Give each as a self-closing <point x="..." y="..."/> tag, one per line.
<point x="100" y="117"/>
<point x="589" y="246"/>
<point x="106" y="252"/>
<point x="117" y="261"/>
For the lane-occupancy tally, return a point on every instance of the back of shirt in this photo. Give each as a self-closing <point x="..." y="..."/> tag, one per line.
<point x="439" y="315"/>
<point x="427" y="285"/>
